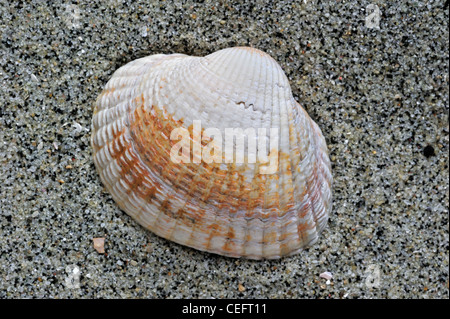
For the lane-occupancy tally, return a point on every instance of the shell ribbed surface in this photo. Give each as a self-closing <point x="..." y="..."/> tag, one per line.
<point x="229" y="209"/>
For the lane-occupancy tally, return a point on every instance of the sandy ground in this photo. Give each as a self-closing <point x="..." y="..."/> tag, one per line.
<point x="378" y="90"/>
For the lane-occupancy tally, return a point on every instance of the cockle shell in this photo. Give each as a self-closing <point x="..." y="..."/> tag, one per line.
<point x="224" y="208"/>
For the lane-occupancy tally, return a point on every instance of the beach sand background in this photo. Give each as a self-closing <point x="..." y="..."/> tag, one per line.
<point x="377" y="89"/>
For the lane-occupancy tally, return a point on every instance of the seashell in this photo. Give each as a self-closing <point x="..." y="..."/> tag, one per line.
<point x="234" y="209"/>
